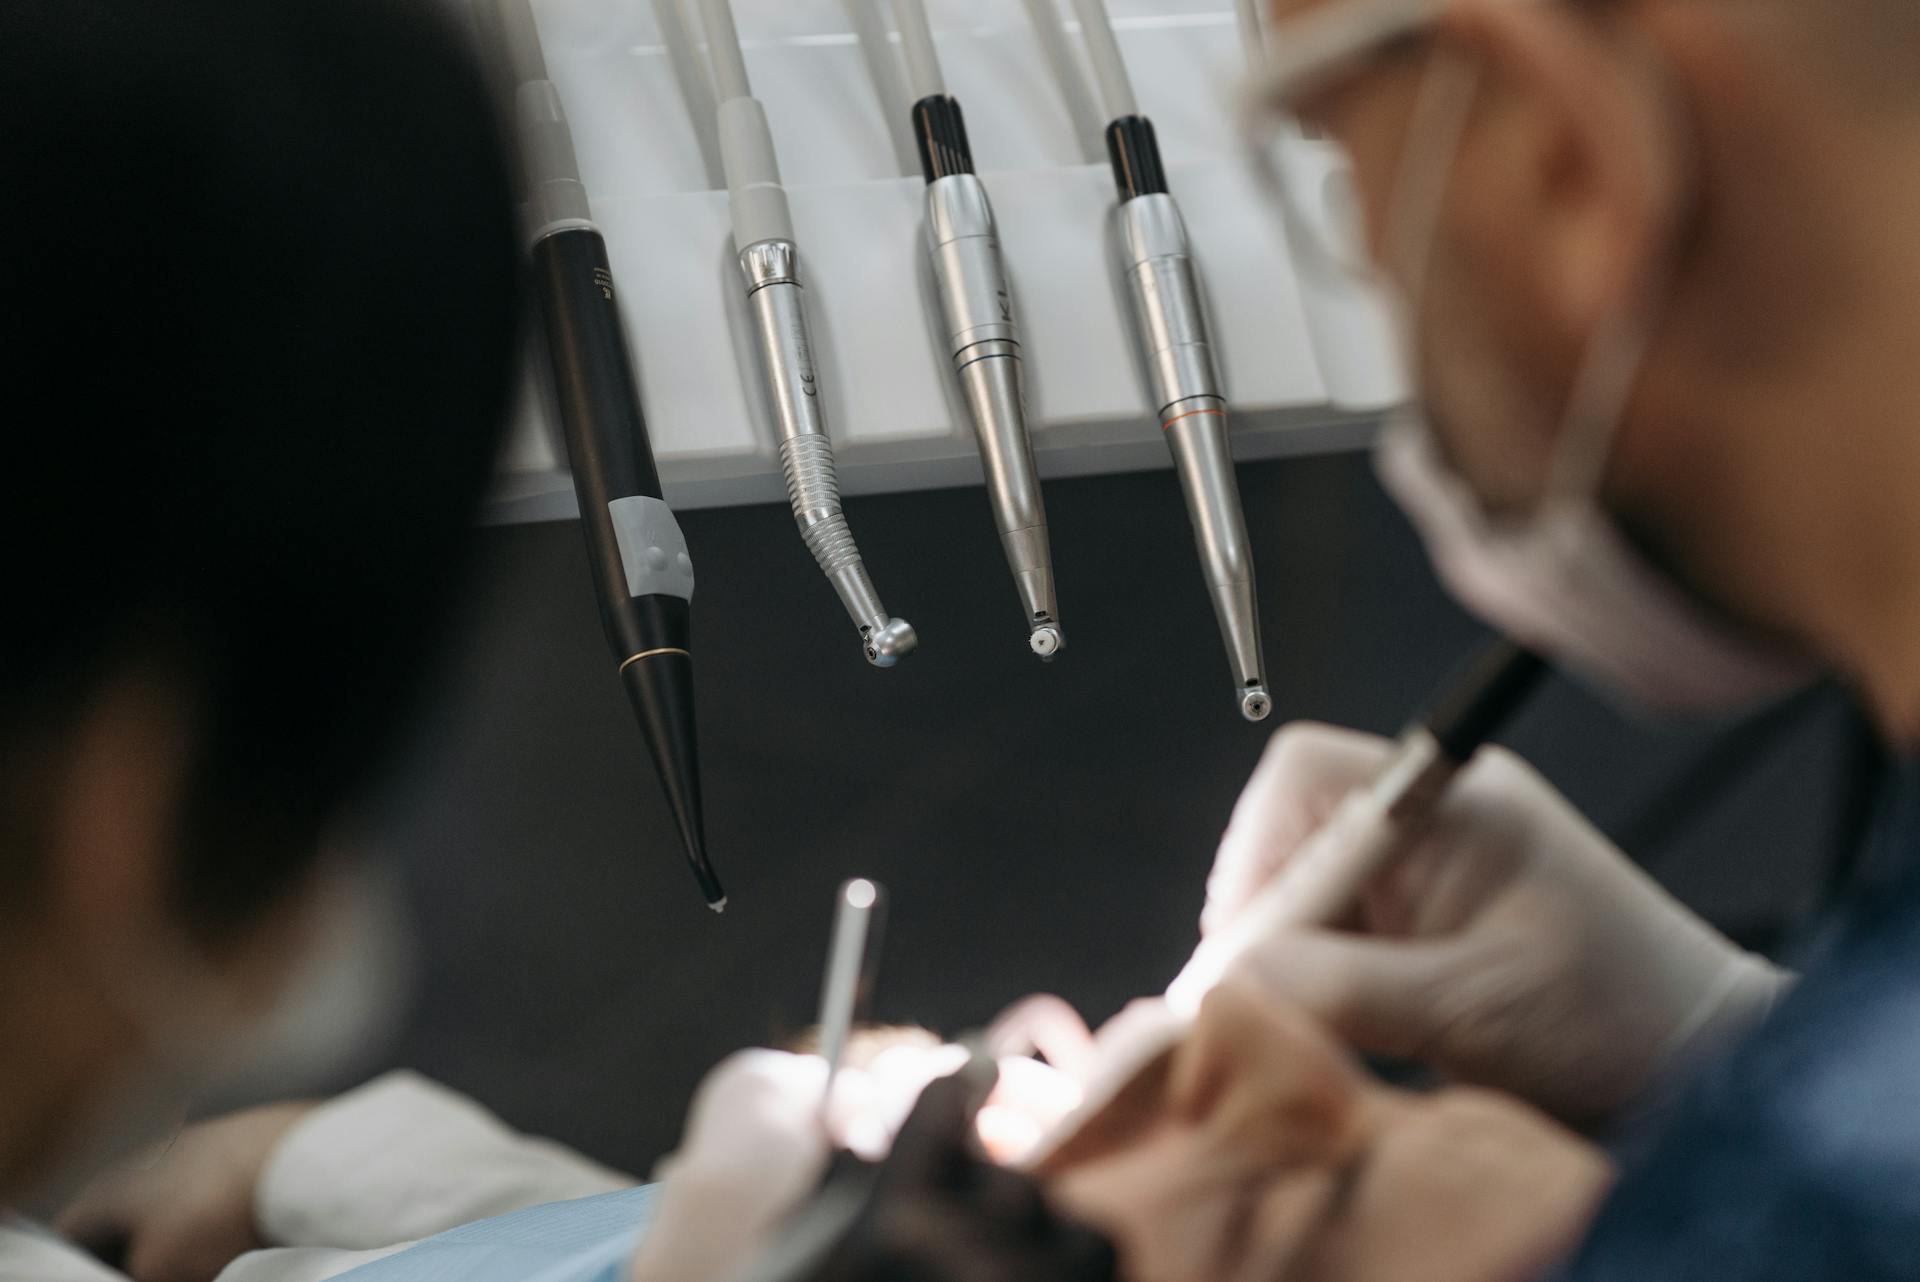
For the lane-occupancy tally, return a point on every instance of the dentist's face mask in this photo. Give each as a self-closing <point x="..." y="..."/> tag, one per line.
<point x="1563" y="578"/>
<point x="199" y="1046"/>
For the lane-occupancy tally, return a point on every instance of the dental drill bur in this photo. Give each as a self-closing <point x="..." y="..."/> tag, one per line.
<point x="642" y="574"/>
<point x="976" y="308"/>
<point x="769" y="262"/>
<point x="1163" y="286"/>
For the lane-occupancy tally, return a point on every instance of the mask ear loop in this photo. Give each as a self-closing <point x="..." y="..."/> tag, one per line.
<point x="1441" y="113"/>
<point x="1616" y="355"/>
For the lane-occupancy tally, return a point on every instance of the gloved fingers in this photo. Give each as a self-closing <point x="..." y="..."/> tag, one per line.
<point x="1048" y="1025"/>
<point x="1267" y="1082"/>
<point x="1305" y="771"/>
<point x="1380" y="996"/>
<point x="939" y="1130"/>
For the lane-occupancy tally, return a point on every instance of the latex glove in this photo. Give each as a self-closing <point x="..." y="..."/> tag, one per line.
<point x="185" y="1212"/>
<point x="754" y="1148"/>
<point x="1514" y="946"/>
<point x="938" y="1211"/>
<point x="756" y="1145"/>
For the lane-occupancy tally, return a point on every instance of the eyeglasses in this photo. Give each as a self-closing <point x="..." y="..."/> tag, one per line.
<point x="1309" y="177"/>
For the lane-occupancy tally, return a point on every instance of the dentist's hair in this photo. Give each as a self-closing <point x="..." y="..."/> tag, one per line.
<point x="261" y="268"/>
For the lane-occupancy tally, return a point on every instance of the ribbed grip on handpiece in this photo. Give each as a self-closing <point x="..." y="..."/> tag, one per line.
<point x="813" y="488"/>
<point x="814" y="491"/>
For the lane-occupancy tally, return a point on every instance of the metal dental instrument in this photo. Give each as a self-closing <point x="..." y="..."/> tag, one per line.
<point x="642" y="574"/>
<point x="1163" y="285"/>
<point x="853" y="957"/>
<point x="983" y="343"/>
<point x="769" y="262"/>
<point x="1373" y="825"/>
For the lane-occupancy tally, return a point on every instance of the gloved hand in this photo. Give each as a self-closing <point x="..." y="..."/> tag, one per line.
<point x="753" y="1149"/>
<point x="1513" y="947"/>
<point x="756" y="1147"/>
<point x="184" y="1213"/>
<point x="938" y="1211"/>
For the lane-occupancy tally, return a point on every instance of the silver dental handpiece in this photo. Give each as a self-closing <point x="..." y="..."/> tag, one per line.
<point x="778" y="304"/>
<point x="977" y="310"/>
<point x="1170" y="320"/>
<point x="769" y="266"/>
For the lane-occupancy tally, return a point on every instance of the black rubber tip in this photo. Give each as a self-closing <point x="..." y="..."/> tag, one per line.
<point x="660" y="687"/>
<point x="1134" y="153"/>
<point x="941" y="133"/>
<point x="1483" y="697"/>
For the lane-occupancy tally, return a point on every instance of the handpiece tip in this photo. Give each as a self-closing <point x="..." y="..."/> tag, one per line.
<point x="718" y="905"/>
<point x="892" y="641"/>
<point x="1046" y="640"/>
<point x="1255" y="703"/>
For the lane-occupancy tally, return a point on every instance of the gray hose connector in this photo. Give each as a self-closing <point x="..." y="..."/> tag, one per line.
<point x="556" y="197"/>
<point x="756" y="201"/>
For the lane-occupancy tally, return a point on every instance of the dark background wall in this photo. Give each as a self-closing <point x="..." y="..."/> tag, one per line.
<point x="1039" y="826"/>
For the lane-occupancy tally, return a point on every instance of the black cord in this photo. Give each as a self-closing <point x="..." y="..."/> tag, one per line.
<point x="1728" y="760"/>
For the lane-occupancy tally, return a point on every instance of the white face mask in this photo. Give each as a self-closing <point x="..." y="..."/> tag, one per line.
<point x="1562" y="579"/>
<point x="348" y="985"/>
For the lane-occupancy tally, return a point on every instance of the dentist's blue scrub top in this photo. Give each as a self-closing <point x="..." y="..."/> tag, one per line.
<point x="1797" y="1156"/>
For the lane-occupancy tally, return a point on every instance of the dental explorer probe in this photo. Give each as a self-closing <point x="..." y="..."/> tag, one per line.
<point x="642" y="574"/>
<point x="1170" y="322"/>
<point x="976" y="308"/>
<point x="1375" y="822"/>
<point x="769" y="264"/>
<point x="853" y="957"/>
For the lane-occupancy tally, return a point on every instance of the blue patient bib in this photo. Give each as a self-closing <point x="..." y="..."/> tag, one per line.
<point x="586" y="1240"/>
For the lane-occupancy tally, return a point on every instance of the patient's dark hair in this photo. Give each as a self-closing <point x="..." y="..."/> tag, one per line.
<point x="258" y="269"/>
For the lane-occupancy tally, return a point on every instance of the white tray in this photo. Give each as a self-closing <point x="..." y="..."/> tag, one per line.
<point x="1307" y="367"/>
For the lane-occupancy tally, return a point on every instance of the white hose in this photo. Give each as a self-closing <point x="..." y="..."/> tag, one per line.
<point x="1253" y="32"/>
<point x="723" y="47"/>
<point x="1109" y="68"/>
<point x="690" y="72"/>
<point x="1088" y="126"/>
<point x="876" y="49"/>
<point x="916" y="41"/>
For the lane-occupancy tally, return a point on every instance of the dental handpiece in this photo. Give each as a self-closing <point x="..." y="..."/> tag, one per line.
<point x="1170" y="322"/>
<point x="1373" y="825"/>
<point x="1162" y="284"/>
<point x="976" y="309"/>
<point x="642" y="573"/>
<point x="769" y="265"/>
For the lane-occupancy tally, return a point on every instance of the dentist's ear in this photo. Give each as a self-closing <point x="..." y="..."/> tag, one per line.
<point x="1569" y="181"/>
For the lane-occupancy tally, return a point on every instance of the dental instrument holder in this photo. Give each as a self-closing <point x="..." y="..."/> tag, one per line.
<point x="1170" y="324"/>
<point x="642" y="573"/>
<point x="769" y="264"/>
<point x="983" y="344"/>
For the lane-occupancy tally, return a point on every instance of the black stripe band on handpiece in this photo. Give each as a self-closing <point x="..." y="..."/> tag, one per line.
<point x="941" y="132"/>
<point x="1134" y="154"/>
<point x="1483" y="697"/>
